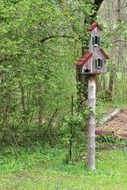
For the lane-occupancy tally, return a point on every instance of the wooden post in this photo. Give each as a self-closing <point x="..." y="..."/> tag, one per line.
<point x="92" y="121"/>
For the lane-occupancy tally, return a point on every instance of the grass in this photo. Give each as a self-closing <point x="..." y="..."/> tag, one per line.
<point x="39" y="168"/>
<point x="44" y="169"/>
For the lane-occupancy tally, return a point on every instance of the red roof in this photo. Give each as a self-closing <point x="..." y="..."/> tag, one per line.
<point x="84" y="58"/>
<point x="94" y="25"/>
<point x="105" y="54"/>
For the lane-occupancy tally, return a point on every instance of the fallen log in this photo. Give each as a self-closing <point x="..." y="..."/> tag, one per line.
<point x="110" y="116"/>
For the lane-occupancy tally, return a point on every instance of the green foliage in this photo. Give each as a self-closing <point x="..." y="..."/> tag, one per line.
<point x="39" y="43"/>
<point x="72" y="129"/>
<point x="75" y="120"/>
<point x="108" y="139"/>
<point x="39" y="168"/>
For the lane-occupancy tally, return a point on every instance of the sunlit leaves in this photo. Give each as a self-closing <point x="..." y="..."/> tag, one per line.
<point x="39" y="44"/>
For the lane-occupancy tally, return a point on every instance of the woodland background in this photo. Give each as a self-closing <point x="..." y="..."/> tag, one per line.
<point x="43" y="102"/>
<point x="40" y="43"/>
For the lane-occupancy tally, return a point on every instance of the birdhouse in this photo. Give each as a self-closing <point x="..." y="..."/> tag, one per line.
<point x="94" y="60"/>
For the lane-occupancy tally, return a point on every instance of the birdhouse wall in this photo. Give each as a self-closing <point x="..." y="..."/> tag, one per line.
<point x="98" y="54"/>
<point x="87" y="68"/>
<point x="93" y="33"/>
<point x="102" y="68"/>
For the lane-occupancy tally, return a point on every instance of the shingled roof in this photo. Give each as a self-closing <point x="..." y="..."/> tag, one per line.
<point x="84" y="58"/>
<point x="94" y="25"/>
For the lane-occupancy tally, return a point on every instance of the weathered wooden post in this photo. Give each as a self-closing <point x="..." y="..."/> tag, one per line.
<point x="92" y="121"/>
<point x="91" y="64"/>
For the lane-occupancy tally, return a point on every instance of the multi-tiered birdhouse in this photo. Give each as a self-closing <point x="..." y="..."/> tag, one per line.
<point x="93" y="61"/>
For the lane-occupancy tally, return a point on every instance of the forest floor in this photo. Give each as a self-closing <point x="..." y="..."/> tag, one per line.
<point x="117" y="126"/>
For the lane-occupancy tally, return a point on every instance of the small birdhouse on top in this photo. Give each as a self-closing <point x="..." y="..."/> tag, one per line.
<point x="93" y="61"/>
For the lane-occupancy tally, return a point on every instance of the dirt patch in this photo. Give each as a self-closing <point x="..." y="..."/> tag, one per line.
<point x="116" y="126"/>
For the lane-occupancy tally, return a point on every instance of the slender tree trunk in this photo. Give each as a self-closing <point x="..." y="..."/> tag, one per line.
<point x="22" y="97"/>
<point x="71" y="130"/>
<point x="111" y="81"/>
<point x="92" y="122"/>
<point x="121" y="63"/>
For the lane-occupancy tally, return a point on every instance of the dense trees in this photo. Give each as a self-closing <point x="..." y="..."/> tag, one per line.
<point x="114" y="19"/>
<point x="40" y="41"/>
<point x="39" y="44"/>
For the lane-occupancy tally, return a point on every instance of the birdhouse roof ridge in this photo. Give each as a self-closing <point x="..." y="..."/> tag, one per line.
<point x="94" y="25"/>
<point x="84" y="58"/>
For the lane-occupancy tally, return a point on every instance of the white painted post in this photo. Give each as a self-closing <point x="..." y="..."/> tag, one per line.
<point x="92" y="121"/>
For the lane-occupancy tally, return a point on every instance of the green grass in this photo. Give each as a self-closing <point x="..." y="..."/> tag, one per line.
<point x="44" y="169"/>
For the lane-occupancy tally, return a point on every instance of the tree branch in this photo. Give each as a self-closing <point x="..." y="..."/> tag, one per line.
<point x="3" y="60"/>
<point x="98" y="3"/>
<point x="55" y="36"/>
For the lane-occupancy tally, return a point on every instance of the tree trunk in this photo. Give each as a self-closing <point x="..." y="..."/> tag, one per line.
<point x="92" y="122"/>
<point x="82" y="83"/>
<point x="71" y="131"/>
<point x="111" y="81"/>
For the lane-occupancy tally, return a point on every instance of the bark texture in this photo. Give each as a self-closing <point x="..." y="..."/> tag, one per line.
<point x="98" y="3"/>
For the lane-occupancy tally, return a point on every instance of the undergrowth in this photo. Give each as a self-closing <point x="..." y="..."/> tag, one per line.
<point x="42" y="168"/>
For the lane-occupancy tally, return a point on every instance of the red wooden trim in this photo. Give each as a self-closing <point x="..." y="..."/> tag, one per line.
<point x="104" y="53"/>
<point x="84" y="58"/>
<point x="94" y="25"/>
